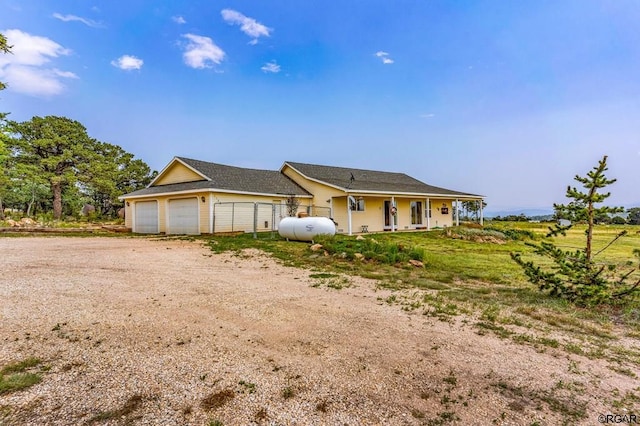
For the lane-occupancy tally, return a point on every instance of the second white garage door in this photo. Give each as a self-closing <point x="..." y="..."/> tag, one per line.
<point x="183" y="216"/>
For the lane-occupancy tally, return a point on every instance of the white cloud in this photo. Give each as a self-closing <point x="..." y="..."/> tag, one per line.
<point x="25" y="69"/>
<point x="272" y="67"/>
<point x="384" y="57"/>
<point x="70" y="18"/>
<point x="249" y="26"/>
<point x="429" y="115"/>
<point x="127" y="63"/>
<point x="201" y="51"/>
<point x="178" y="20"/>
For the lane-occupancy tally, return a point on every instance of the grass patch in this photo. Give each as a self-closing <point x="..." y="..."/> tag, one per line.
<point x="16" y="376"/>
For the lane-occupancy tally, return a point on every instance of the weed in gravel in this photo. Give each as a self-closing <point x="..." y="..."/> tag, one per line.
<point x="574" y="368"/>
<point x="623" y="370"/>
<point x="288" y="392"/>
<point x="131" y="405"/>
<point x="630" y="400"/>
<point x="333" y="281"/>
<point x="442" y="419"/>
<point x="247" y="386"/>
<point x="215" y="422"/>
<point x="569" y="406"/>
<point x="15" y="377"/>
<point x="451" y="379"/>
<point x="217" y="399"/>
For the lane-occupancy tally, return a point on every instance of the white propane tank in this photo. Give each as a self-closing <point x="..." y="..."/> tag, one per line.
<point x="305" y="228"/>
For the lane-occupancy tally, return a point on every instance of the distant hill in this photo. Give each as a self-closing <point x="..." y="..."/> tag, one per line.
<point x="527" y="212"/>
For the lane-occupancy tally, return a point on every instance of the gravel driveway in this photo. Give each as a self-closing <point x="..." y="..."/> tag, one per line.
<point x="163" y="332"/>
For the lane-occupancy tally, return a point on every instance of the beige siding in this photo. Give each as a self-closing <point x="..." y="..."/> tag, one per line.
<point x="438" y="219"/>
<point x="321" y="193"/>
<point x="177" y="173"/>
<point x="128" y="222"/>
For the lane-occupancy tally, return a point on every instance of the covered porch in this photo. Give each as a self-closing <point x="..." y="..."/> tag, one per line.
<point x="361" y="212"/>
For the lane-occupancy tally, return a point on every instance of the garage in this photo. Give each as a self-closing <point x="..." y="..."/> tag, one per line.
<point x="183" y="216"/>
<point x="146" y="217"/>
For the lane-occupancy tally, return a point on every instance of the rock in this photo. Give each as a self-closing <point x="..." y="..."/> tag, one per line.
<point x="360" y="238"/>
<point x="316" y="247"/>
<point x="27" y="221"/>
<point x="359" y="256"/>
<point x="12" y="223"/>
<point x="87" y="209"/>
<point x="416" y="263"/>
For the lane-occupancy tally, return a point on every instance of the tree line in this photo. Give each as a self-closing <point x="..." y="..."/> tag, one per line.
<point x="51" y="164"/>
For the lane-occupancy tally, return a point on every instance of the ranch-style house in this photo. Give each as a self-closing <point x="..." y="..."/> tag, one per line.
<point x="197" y="197"/>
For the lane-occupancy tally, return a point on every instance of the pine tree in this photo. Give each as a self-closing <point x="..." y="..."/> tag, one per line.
<point x="575" y="275"/>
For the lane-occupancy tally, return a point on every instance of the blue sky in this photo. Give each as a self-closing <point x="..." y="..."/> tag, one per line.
<point x="505" y="99"/>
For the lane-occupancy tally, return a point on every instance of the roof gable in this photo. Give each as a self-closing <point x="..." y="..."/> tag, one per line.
<point x="223" y="178"/>
<point x="177" y="172"/>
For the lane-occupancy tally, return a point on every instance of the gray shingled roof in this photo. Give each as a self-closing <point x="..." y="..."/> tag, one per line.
<point x="370" y="180"/>
<point x="230" y="178"/>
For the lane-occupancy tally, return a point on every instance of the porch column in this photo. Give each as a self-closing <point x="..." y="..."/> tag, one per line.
<point x="393" y="216"/>
<point x="457" y="212"/>
<point x="210" y="213"/>
<point x="349" y="215"/>
<point x="427" y="213"/>
<point x="481" y="217"/>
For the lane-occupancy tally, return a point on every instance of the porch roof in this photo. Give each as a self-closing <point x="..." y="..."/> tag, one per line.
<point x="372" y="181"/>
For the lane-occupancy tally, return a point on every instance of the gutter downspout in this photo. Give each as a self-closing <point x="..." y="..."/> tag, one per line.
<point x="457" y="212"/>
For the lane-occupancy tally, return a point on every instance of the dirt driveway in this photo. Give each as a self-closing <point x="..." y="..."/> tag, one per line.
<point x="137" y="331"/>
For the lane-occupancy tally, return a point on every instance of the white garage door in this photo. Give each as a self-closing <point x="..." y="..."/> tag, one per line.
<point x="183" y="216"/>
<point x="146" y="217"/>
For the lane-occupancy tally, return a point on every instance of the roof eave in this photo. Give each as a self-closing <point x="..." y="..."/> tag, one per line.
<point x="213" y="190"/>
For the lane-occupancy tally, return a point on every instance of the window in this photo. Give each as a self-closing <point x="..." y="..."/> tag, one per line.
<point x="358" y="205"/>
<point x="429" y="209"/>
<point x="416" y="212"/>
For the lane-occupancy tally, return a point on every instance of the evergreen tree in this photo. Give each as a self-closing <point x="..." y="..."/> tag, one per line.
<point x="575" y="275"/>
